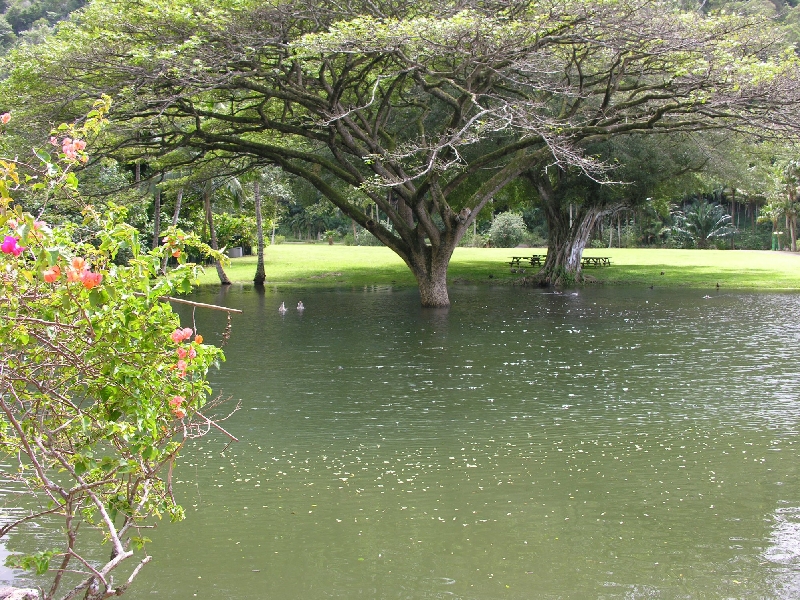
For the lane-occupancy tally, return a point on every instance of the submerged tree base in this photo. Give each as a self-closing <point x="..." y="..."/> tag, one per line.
<point x="546" y="279"/>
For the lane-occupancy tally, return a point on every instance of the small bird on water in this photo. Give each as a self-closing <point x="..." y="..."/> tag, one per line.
<point x="282" y="308"/>
<point x="300" y="305"/>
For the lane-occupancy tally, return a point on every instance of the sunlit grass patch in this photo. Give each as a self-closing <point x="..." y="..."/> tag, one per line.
<point x="323" y="264"/>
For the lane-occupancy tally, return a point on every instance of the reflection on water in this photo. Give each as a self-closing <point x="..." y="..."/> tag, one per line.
<point x="784" y="551"/>
<point x="606" y="443"/>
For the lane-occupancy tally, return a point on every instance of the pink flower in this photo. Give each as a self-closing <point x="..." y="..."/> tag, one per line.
<point x="192" y="353"/>
<point x="182" y="365"/>
<point x="179" y="335"/>
<point x="182" y="353"/>
<point x="79" y="145"/>
<point x="11" y="245"/>
<point x="5" y="118"/>
<point x="54" y="141"/>
<point x="176" y="401"/>
<point x="179" y="413"/>
<point x="74" y="275"/>
<point x="12" y="223"/>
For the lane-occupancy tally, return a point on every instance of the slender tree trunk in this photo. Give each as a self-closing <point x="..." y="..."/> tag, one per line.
<point x="156" y="217"/>
<point x="175" y="214"/>
<point x="260" y="276"/>
<point x="223" y="277"/>
<point x="733" y="216"/>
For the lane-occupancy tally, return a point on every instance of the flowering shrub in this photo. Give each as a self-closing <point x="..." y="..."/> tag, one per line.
<point x="100" y="386"/>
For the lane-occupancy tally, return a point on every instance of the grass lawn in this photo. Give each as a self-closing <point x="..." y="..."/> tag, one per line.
<point x="322" y="264"/>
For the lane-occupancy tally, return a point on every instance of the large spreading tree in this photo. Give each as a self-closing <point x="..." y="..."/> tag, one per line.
<point x="430" y="108"/>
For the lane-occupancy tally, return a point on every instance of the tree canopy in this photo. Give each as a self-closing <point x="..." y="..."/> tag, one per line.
<point x="429" y="108"/>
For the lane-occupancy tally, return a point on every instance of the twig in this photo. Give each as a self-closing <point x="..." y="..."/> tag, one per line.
<point x="192" y="303"/>
<point x="216" y="426"/>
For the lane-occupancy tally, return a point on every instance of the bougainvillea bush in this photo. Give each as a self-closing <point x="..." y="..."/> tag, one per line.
<point x="100" y="384"/>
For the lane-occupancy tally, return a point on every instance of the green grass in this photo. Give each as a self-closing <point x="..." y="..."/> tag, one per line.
<point x="322" y="264"/>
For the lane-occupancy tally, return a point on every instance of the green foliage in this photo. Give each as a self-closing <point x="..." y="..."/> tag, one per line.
<point x="22" y="14"/>
<point x="702" y="223"/>
<point x="507" y="230"/>
<point x="235" y="230"/>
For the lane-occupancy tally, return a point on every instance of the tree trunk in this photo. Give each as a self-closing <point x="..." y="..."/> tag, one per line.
<point x="566" y="244"/>
<point x="156" y="217"/>
<point x="429" y="266"/>
<point x="260" y="276"/>
<point x="223" y="277"/>
<point x="175" y="214"/>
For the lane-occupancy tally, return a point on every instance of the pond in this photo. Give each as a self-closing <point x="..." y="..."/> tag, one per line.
<point x="598" y="443"/>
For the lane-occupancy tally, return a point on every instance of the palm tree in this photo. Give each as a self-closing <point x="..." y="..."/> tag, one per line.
<point x="703" y="222"/>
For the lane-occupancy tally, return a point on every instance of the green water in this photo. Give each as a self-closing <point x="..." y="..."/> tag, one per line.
<point x="609" y="443"/>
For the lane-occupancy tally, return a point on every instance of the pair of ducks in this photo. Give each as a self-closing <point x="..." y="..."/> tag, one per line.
<point x="282" y="307"/>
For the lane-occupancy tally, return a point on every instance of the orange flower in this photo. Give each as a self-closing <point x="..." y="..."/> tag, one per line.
<point x="198" y="338"/>
<point x="52" y="274"/>
<point x="91" y="280"/>
<point x="78" y="263"/>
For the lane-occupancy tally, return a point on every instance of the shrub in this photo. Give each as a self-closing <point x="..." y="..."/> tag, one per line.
<point x="100" y="386"/>
<point x="507" y="231"/>
<point x="235" y="230"/>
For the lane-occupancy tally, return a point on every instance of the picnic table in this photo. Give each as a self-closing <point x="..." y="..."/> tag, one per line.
<point x="595" y="261"/>
<point x="537" y="260"/>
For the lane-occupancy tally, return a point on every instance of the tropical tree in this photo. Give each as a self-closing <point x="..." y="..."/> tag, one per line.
<point x="429" y="109"/>
<point x="702" y="222"/>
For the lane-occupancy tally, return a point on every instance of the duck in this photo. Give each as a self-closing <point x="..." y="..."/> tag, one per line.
<point x="282" y="308"/>
<point x="300" y="305"/>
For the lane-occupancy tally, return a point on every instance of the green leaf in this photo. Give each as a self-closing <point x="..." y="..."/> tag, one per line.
<point x="43" y="156"/>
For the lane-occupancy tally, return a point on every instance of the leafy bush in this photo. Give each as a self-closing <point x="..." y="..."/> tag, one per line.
<point x="507" y="231"/>
<point x="474" y="241"/>
<point x="100" y="386"/>
<point x="235" y="230"/>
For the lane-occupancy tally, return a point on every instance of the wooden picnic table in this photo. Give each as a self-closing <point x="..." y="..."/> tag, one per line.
<point x="537" y="260"/>
<point x="595" y="261"/>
